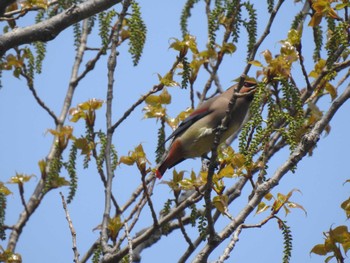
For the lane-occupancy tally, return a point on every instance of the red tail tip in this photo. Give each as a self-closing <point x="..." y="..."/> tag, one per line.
<point x="158" y="174"/>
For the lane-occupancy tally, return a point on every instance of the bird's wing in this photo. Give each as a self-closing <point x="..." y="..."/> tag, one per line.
<point x="192" y="118"/>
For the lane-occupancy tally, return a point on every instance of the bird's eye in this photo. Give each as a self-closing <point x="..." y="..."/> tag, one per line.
<point x="249" y="84"/>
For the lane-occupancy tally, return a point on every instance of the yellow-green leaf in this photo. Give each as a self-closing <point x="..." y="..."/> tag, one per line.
<point x="267" y="55"/>
<point x="221" y="202"/>
<point x="315" y="20"/>
<point x="57" y="182"/>
<point x="84" y="145"/>
<point x="114" y="225"/>
<point x="295" y="205"/>
<point x="42" y="167"/>
<point x="91" y="104"/>
<point x="76" y="114"/>
<point x="342" y="5"/>
<point x="262" y="207"/>
<point x="165" y="97"/>
<point x="153" y="100"/>
<point x="4" y="190"/>
<point x="331" y="90"/>
<point x="177" y="176"/>
<point x="218" y="185"/>
<point x="319" y="250"/>
<point x="255" y="63"/>
<point x="20" y="178"/>
<point x="294" y="37"/>
<point x="209" y="53"/>
<point x="167" y="80"/>
<point x="268" y="196"/>
<point x="126" y="160"/>
<point x="227" y="171"/>
<point x="340" y="234"/>
<point x="228" y="48"/>
<point x="156" y="111"/>
<point x="239" y="160"/>
<point x="346" y="206"/>
<point x="139" y="152"/>
<point x="191" y="43"/>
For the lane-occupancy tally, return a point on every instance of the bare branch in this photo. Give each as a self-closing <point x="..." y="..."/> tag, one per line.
<point x="111" y="65"/>
<point x="90" y="251"/>
<point x="72" y="230"/>
<point x="189" y="251"/>
<point x="134" y="106"/>
<point x="21" y="193"/>
<point x="129" y="241"/>
<point x="231" y="245"/>
<point x="147" y="192"/>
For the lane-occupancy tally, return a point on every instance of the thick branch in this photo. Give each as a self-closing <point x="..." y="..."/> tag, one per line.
<point x="50" y="28"/>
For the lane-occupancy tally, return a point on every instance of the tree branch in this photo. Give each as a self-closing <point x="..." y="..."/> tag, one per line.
<point x="111" y="65"/>
<point x="231" y="245"/>
<point x="50" y="28"/>
<point x="129" y="242"/>
<point x="72" y="230"/>
<point x="30" y="84"/>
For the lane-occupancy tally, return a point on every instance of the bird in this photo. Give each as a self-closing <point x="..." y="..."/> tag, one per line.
<point x="195" y="135"/>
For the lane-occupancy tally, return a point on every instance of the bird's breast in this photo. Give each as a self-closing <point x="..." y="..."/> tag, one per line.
<point x="196" y="142"/>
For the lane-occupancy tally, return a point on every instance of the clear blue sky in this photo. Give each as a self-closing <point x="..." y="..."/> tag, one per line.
<point x="24" y="142"/>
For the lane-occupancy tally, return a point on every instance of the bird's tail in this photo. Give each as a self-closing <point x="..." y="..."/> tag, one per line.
<point x="170" y="158"/>
<point x="160" y="170"/>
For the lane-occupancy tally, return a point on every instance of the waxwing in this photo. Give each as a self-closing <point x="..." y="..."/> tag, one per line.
<point x="195" y="135"/>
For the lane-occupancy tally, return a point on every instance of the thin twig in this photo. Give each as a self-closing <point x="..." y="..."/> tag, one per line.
<point x="135" y="213"/>
<point x="21" y="193"/>
<point x="343" y="79"/>
<point x="72" y="230"/>
<point x="231" y="245"/>
<point x="184" y="258"/>
<point x="30" y="84"/>
<point x="111" y="65"/>
<point x="303" y="69"/>
<point x="90" y="251"/>
<point x="185" y="235"/>
<point x="129" y="241"/>
<point x="149" y="201"/>
<point x="126" y="114"/>
<point x="104" y="181"/>
<point x="136" y="193"/>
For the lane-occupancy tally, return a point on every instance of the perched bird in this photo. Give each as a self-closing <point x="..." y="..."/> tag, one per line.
<point x="195" y="135"/>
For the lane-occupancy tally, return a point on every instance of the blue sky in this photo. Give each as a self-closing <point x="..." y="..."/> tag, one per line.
<point x="24" y="141"/>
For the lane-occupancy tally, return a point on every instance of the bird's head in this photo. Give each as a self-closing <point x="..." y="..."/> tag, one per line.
<point x="249" y="88"/>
